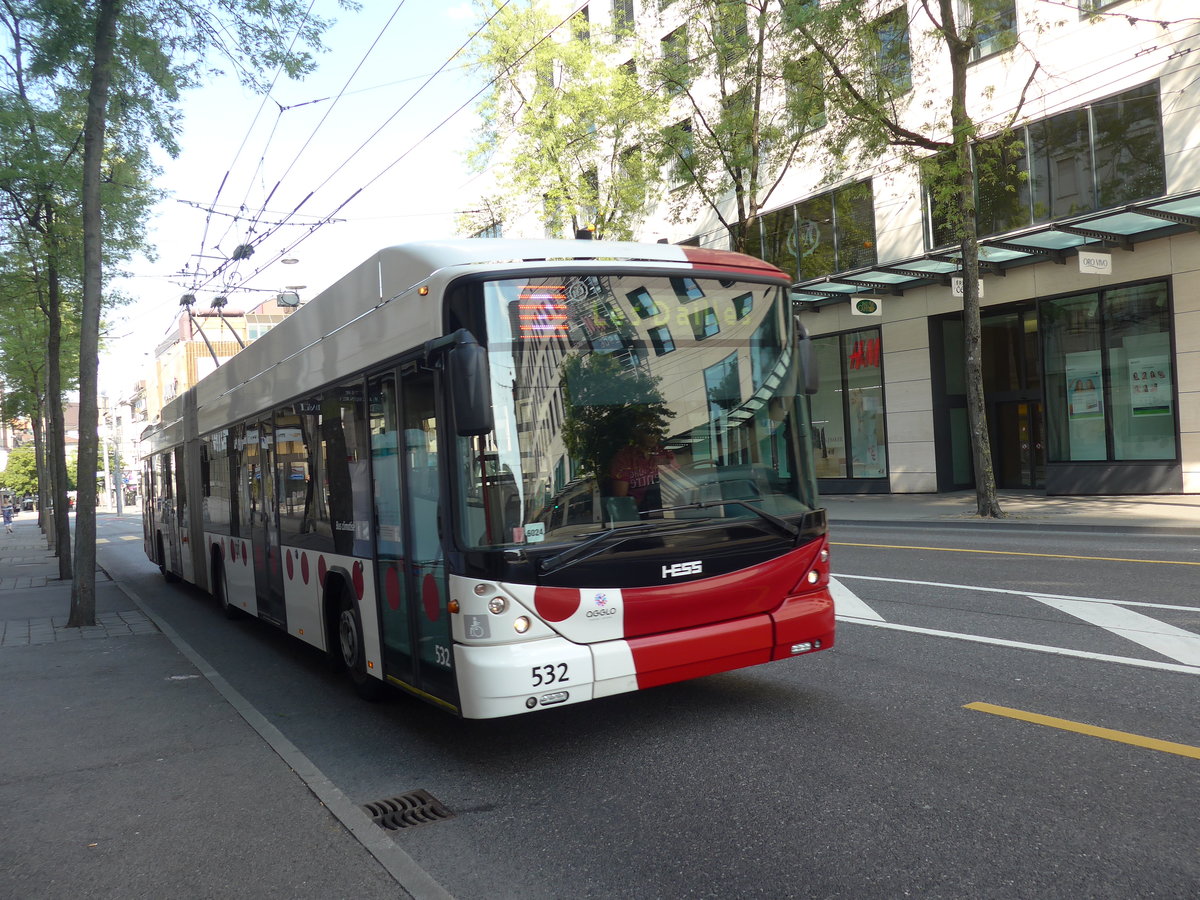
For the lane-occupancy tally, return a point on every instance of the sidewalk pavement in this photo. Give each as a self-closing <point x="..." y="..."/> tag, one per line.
<point x="1156" y="513"/>
<point x="130" y="769"/>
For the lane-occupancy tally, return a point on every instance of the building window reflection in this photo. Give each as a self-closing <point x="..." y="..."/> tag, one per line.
<point x="827" y="233"/>
<point x="1097" y="156"/>
<point x="848" y="413"/>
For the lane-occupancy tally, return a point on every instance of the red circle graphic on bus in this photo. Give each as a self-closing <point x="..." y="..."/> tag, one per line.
<point x="304" y="567"/>
<point x="321" y="570"/>
<point x="556" y="604"/>
<point x="357" y="576"/>
<point x="431" y="598"/>
<point x="291" y="574"/>
<point x="232" y="549"/>
<point x="391" y="587"/>
<point x="245" y="555"/>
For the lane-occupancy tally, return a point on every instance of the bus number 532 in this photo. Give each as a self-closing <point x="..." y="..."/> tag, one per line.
<point x="550" y="674"/>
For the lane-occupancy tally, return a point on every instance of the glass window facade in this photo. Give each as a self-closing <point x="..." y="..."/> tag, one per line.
<point x="828" y="233"/>
<point x="1098" y="156"/>
<point x="995" y="27"/>
<point x="848" y="413"/>
<point x="1109" y="375"/>
<point x="894" y="55"/>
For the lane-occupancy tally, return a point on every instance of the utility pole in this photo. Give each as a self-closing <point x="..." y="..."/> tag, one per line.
<point x="104" y="443"/>
<point x="118" y="464"/>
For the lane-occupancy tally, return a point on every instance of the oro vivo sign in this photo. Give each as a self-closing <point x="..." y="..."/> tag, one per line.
<point x="865" y="354"/>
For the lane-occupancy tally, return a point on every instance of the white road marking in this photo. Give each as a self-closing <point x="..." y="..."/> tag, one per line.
<point x="848" y="605"/>
<point x="995" y="590"/>
<point x="1161" y="637"/>
<point x="1040" y="648"/>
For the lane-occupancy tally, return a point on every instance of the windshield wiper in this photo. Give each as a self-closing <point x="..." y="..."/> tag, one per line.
<point x="571" y="554"/>
<point x="784" y="527"/>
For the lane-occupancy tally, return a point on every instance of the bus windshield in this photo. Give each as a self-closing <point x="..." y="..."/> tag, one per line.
<point x="634" y="399"/>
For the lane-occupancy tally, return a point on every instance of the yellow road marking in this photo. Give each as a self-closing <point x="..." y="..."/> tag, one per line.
<point x="1153" y="562"/>
<point x="1079" y="727"/>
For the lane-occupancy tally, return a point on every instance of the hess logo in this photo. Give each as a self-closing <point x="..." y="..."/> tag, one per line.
<point x="683" y="568"/>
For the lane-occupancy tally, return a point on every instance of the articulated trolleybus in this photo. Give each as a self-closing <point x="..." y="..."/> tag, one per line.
<point x="507" y="475"/>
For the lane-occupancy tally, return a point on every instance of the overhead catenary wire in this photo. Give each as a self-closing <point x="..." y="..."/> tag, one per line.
<point x="329" y="216"/>
<point x="881" y="165"/>
<point x="231" y="264"/>
<point x="328" y="111"/>
<point x="237" y="154"/>
<point x="288" y="249"/>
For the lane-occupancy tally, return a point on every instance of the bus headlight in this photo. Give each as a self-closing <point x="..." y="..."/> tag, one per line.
<point x="521" y="624"/>
<point x="497" y="605"/>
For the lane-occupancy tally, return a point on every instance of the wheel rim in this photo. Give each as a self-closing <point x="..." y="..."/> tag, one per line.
<point x="348" y="637"/>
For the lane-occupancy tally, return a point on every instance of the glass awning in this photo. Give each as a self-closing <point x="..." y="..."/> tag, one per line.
<point x="1051" y="242"/>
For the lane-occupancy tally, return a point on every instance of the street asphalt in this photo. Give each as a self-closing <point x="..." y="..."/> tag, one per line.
<point x="129" y="768"/>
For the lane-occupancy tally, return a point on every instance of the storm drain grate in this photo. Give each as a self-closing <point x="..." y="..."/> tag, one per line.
<point x="407" y="811"/>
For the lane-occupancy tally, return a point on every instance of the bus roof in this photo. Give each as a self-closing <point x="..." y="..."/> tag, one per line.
<point x="497" y="251"/>
<point x="274" y="366"/>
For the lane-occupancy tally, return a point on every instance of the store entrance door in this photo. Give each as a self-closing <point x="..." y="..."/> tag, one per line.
<point x="1012" y="387"/>
<point x="1018" y="445"/>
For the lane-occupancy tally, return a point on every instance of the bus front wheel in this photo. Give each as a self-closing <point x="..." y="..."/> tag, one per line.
<point x="353" y="651"/>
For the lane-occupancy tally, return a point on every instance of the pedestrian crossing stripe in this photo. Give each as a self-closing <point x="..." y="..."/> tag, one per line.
<point x="1161" y="637"/>
<point x="1177" y="644"/>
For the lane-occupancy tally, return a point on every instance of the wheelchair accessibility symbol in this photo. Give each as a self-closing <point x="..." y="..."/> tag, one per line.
<point x="478" y="628"/>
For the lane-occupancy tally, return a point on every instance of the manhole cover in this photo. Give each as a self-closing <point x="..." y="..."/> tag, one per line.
<point x="407" y="811"/>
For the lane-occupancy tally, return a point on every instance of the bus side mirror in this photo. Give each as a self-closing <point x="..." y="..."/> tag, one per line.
<point x="810" y="376"/>
<point x="470" y="387"/>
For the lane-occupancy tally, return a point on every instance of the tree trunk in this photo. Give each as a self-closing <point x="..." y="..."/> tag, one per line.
<point x="83" y="588"/>
<point x="39" y="458"/>
<point x="986" y="502"/>
<point x="56" y="439"/>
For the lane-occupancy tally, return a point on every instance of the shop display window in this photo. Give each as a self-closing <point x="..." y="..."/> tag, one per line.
<point x="1110" y="379"/>
<point x="847" y="412"/>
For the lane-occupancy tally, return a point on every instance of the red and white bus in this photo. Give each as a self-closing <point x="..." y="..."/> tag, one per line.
<point x="507" y="475"/>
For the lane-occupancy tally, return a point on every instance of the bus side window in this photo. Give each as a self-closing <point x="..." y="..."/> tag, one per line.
<point x="302" y="519"/>
<point x="215" y="482"/>
<point x="181" y="508"/>
<point x="347" y="459"/>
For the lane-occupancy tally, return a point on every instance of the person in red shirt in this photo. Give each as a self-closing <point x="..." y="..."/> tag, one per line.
<point x="635" y="471"/>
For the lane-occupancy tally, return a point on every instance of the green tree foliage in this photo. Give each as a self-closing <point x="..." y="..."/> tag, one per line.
<point x="20" y="474"/>
<point x="742" y="107"/>
<point x="881" y="100"/>
<point x="571" y="127"/>
<point x="96" y="84"/>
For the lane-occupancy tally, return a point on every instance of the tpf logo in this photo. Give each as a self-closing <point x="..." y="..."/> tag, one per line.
<point x="684" y="568"/>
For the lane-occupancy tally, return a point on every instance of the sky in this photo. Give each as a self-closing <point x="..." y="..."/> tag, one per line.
<point x="388" y="166"/>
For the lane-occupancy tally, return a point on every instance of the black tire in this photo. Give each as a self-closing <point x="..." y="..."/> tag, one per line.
<point x="351" y="652"/>
<point x="221" y="592"/>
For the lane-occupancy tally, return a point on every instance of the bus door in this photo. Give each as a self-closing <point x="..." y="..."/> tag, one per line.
<point x="411" y="570"/>
<point x="264" y="525"/>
